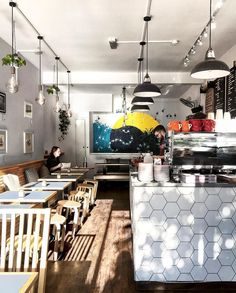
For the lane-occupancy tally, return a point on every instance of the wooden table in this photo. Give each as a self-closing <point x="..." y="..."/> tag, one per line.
<point x="17" y="282"/>
<point x="45" y="198"/>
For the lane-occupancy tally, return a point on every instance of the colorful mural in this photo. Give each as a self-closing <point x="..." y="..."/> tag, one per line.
<point x="114" y="133"/>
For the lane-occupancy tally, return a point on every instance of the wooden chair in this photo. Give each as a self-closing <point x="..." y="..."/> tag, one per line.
<point x="93" y="183"/>
<point x="27" y="247"/>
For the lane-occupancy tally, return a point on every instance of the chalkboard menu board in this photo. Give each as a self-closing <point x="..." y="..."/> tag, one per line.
<point x="210" y="103"/>
<point x="231" y="92"/>
<point x="219" y="93"/>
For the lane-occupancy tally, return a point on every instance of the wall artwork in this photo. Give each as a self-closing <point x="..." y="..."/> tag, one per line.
<point x="3" y="141"/>
<point x="2" y="102"/>
<point x="117" y="133"/>
<point x="28" y="110"/>
<point x="28" y="140"/>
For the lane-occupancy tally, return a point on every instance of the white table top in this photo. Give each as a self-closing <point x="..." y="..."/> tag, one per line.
<point x="65" y="173"/>
<point x="12" y="282"/>
<point x="64" y="178"/>
<point x="51" y="185"/>
<point x="30" y="197"/>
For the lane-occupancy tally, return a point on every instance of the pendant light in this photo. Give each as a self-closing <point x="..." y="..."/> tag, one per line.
<point x="57" y="107"/>
<point x="141" y="100"/>
<point x="124" y="106"/>
<point x="210" y="68"/>
<point x="40" y="98"/>
<point x="69" y="113"/>
<point x="12" y="84"/>
<point x="140" y="108"/>
<point x="147" y="89"/>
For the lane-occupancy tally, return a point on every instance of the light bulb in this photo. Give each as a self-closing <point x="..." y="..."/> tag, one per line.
<point x="213" y="23"/>
<point x="12" y="84"/>
<point x="205" y="34"/>
<point x="57" y="107"/>
<point x="193" y="51"/>
<point x="69" y="113"/>
<point x="40" y="98"/>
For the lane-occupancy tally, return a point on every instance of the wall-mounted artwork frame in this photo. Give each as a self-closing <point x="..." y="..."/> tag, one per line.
<point x="28" y="110"/>
<point x="3" y="141"/>
<point x="2" y="102"/>
<point x="28" y="142"/>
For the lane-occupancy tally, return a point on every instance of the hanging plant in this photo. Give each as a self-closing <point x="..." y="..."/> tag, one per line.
<point x="53" y="89"/>
<point x="13" y="60"/>
<point x="64" y="123"/>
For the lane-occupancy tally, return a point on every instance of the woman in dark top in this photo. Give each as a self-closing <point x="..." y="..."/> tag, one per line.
<point x="53" y="161"/>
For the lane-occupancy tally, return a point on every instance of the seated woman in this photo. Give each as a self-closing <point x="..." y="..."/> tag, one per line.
<point x="53" y="161"/>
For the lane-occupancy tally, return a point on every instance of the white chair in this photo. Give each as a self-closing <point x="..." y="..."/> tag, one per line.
<point x="11" y="181"/>
<point x="93" y="183"/>
<point x="27" y="247"/>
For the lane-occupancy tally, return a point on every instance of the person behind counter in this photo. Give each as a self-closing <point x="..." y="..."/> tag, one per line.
<point x="159" y="131"/>
<point x="53" y="161"/>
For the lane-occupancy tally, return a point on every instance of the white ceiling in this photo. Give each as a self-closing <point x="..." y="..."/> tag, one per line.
<point x="78" y="32"/>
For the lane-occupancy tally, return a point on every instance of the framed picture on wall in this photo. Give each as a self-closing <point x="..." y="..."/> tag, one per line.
<point x="28" y="110"/>
<point x="28" y="140"/>
<point x="3" y="141"/>
<point x="2" y="102"/>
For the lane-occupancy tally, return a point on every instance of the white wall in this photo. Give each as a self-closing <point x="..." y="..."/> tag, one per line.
<point x="14" y="120"/>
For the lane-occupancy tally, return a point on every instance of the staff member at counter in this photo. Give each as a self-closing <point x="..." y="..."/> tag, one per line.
<point x="159" y="131"/>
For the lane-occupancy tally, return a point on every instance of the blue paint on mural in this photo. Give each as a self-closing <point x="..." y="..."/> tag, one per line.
<point x="101" y="137"/>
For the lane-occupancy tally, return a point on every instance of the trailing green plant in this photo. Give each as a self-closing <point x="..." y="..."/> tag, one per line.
<point x="64" y="123"/>
<point x="53" y="89"/>
<point x="13" y="60"/>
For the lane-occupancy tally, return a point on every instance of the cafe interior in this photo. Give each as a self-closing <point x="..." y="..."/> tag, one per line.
<point x="142" y="197"/>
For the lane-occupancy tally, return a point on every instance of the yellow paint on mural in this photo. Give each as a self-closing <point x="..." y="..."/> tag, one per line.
<point x="142" y="121"/>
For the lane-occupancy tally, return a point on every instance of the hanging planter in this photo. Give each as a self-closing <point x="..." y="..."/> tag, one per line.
<point x="53" y="89"/>
<point x="64" y="123"/>
<point x="13" y="60"/>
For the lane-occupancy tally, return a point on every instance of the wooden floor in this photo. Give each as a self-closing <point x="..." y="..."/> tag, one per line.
<point x="106" y="266"/>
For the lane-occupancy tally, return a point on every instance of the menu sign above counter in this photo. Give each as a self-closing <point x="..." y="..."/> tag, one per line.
<point x="231" y="92"/>
<point x="219" y="93"/>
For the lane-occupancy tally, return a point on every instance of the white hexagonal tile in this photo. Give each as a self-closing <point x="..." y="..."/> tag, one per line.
<point x="158" y="190"/>
<point x="157" y="233"/>
<point x="185" y="278"/>
<point x="171" y="210"/>
<point x="226" y="273"/>
<point x="226" y="226"/>
<point x="158" y="217"/>
<point x="156" y="266"/>
<point x="212" y="265"/>
<point x="227" y="241"/>
<point x="171" y="195"/>
<point x="171" y="226"/>
<point x="186" y="190"/>
<point x="185" y="249"/>
<point x="234" y="218"/>
<point x="158" y="201"/>
<point x="157" y="248"/>
<point x="171" y="274"/>
<point x="212" y="250"/>
<point x="185" y="233"/>
<point x="199" y="226"/>
<point x="212" y="234"/>
<point x="185" y="202"/>
<point x="185" y="218"/>
<point x="212" y="278"/>
<point x="199" y="257"/>
<point x="142" y="194"/>
<point x="143" y="274"/>
<point x="227" y="194"/>
<point x="143" y="210"/>
<point x="234" y="265"/>
<point x="213" y="202"/>
<point x="172" y="242"/>
<point x="213" y="190"/>
<point x="169" y="258"/>
<point x="226" y="257"/>
<point x="158" y="278"/>
<point x="227" y="210"/>
<point x="185" y="265"/>
<point x="199" y="210"/>
<point x="199" y="241"/>
<point x="200" y="194"/>
<point x="213" y="218"/>
<point x="198" y="273"/>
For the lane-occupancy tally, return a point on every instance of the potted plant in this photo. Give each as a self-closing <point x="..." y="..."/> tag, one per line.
<point x="13" y="60"/>
<point x="64" y="123"/>
<point x="53" y="89"/>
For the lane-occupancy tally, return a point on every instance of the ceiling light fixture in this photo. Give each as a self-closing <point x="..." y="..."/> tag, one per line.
<point x="210" y="68"/>
<point x="40" y="98"/>
<point x="147" y="89"/>
<point x="12" y="83"/>
<point x="69" y="113"/>
<point x="140" y="108"/>
<point x="57" y="107"/>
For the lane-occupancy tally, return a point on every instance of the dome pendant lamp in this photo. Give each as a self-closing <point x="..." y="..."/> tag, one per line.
<point x="147" y="89"/>
<point x="57" y="107"/>
<point x="40" y="98"/>
<point x="210" y="68"/>
<point x="140" y="108"/>
<point x="69" y="112"/>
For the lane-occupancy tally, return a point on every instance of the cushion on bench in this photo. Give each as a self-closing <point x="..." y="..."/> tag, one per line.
<point x="31" y="175"/>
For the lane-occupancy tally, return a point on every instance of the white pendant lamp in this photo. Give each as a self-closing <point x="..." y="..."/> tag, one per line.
<point x="57" y="107"/>
<point x="69" y="112"/>
<point x="40" y="98"/>
<point x="210" y="68"/>
<point x="147" y="89"/>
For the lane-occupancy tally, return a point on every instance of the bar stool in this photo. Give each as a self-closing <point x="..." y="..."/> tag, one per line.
<point x="59" y="230"/>
<point x="93" y="183"/>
